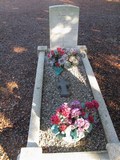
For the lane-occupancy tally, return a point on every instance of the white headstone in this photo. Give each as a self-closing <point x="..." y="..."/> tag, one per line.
<point x="63" y="23"/>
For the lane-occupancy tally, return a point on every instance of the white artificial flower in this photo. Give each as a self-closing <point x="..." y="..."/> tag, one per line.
<point x="61" y="61"/>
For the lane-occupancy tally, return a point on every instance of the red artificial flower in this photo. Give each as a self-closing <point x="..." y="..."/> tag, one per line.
<point x="91" y="118"/>
<point x="59" y="49"/>
<point x="89" y="105"/>
<point x="62" y="127"/>
<point x="57" y="64"/>
<point x="82" y="113"/>
<point x="95" y="103"/>
<point x="55" y="119"/>
<point x="52" y="52"/>
<point x="62" y="52"/>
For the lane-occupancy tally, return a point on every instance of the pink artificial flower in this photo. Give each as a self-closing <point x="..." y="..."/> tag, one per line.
<point x="86" y="125"/>
<point x="80" y="122"/>
<point x="49" y="55"/>
<point x="75" y="112"/>
<point x="89" y="105"/>
<point x="64" y="110"/>
<point x="95" y="103"/>
<point x="80" y="129"/>
<point x="55" y="119"/>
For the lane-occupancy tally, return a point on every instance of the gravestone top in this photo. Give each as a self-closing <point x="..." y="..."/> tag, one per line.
<point x="63" y="86"/>
<point x="63" y="22"/>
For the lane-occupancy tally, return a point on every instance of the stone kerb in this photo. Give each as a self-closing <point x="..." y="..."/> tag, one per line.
<point x="113" y="151"/>
<point x="63" y="23"/>
<point x="103" y="112"/>
<point x="113" y="146"/>
<point x="34" y="127"/>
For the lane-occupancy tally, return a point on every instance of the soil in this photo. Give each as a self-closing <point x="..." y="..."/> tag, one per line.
<point x="23" y="26"/>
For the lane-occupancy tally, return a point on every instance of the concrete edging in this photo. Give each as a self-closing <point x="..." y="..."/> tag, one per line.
<point x="109" y="130"/>
<point x="34" y="127"/>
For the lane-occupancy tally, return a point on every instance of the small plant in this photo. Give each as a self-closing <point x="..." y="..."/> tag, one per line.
<point x="74" y="120"/>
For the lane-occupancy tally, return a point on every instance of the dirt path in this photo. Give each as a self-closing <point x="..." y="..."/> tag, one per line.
<point x="24" y="26"/>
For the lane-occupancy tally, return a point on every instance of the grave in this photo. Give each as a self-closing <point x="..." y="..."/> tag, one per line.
<point x="63" y="33"/>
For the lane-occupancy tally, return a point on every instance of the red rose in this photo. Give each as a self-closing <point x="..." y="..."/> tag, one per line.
<point x="89" y="105"/>
<point x="95" y="103"/>
<point x="91" y="119"/>
<point x="63" y="127"/>
<point x="55" y="119"/>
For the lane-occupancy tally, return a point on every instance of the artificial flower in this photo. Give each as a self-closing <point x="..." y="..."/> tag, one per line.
<point x="74" y="120"/>
<point x="75" y="112"/>
<point x="55" y="119"/>
<point x="89" y="105"/>
<point x="95" y="103"/>
<point x="63" y="127"/>
<point x="91" y="118"/>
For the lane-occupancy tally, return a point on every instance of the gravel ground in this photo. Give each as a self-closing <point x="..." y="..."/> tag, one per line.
<point x="79" y="90"/>
<point x="24" y="26"/>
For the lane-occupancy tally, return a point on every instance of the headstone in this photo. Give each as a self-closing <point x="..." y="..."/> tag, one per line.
<point x="63" y="86"/>
<point x="63" y="22"/>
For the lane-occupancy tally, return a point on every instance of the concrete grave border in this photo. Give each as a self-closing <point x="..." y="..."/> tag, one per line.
<point x="34" y="126"/>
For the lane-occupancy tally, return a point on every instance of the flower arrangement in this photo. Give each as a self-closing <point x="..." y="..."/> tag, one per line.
<point x="63" y="58"/>
<point x="74" y="120"/>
